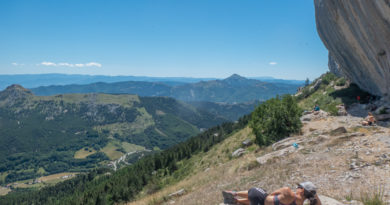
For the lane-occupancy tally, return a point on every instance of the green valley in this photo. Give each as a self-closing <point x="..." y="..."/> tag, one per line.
<point x="43" y="135"/>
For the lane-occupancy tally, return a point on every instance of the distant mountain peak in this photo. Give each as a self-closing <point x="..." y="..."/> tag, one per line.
<point x="15" y="92"/>
<point x="235" y="77"/>
<point x="17" y="88"/>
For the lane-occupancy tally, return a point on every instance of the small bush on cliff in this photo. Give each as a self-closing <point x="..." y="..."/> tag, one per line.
<point x="275" y="119"/>
<point x="328" y="78"/>
<point x="341" y="82"/>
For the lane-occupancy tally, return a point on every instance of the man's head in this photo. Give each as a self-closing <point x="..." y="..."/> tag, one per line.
<point x="308" y="187"/>
<point x="309" y="191"/>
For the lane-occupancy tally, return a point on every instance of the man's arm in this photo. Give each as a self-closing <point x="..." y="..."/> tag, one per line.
<point x="278" y="191"/>
<point x="318" y="200"/>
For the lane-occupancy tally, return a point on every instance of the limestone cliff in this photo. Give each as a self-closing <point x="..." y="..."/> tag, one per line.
<point x="334" y="67"/>
<point x="357" y="35"/>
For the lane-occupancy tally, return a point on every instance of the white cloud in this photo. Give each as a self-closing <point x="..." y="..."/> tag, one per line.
<point x="64" y="64"/>
<point x="273" y="63"/>
<point x="17" y="64"/>
<point x="93" y="64"/>
<point x="48" y="63"/>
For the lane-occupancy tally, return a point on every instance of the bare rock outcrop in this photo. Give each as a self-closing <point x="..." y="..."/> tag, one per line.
<point x="357" y="35"/>
<point x="334" y="67"/>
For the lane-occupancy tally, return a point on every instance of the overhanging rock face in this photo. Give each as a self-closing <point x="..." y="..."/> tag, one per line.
<point x="357" y="35"/>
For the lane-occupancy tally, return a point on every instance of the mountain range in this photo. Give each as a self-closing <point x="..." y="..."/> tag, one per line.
<point x="234" y="89"/>
<point x="36" y="80"/>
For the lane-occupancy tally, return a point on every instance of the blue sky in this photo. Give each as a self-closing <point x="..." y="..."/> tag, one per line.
<point x="166" y="38"/>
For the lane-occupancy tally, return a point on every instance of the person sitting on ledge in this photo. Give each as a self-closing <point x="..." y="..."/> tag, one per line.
<point x="282" y="196"/>
<point x="369" y="120"/>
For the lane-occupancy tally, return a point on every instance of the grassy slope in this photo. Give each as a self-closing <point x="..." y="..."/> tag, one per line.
<point x="206" y="171"/>
<point x="332" y="91"/>
<point x="111" y="150"/>
<point x="204" y="175"/>
<point x="84" y="153"/>
<point x="115" y="149"/>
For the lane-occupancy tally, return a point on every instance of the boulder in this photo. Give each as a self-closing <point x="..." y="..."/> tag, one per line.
<point x="316" y="85"/>
<point x="177" y="193"/>
<point x="341" y="111"/>
<point x="238" y="152"/>
<point x="316" y="115"/>
<point x="305" y="118"/>
<point x="247" y="143"/>
<point x="338" y="131"/>
<point x="306" y="112"/>
<point x="328" y="201"/>
<point x="382" y="117"/>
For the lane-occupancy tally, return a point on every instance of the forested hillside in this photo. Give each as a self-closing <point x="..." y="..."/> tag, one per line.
<point x="103" y="187"/>
<point x="226" y="110"/>
<point x="76" y="132"/>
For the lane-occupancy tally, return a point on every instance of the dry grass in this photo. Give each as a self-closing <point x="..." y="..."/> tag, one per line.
<point x="320" y="163"/>
<point x="211" y="161"/>
<point x="56" y="176"/>
<point x="82" y="153"/>
<point x="4" y="191"/>
<point x="361" y="129"/>
<point x="373" y="198"/>
<point x="128" y="147"/>
<point x="3" y="175"/>
<point x="45" y="180"/>
<point x="111" y="150"/>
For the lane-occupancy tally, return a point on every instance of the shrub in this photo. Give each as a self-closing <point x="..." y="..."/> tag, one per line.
<point x="349" y="197"/>
<point x="275" y="119"/>
<point x="341" y="82"/>
<point x="328" y="77"/>
<point x="331" y="108"/>
<point x="383" y="111"/>
<point x="306" y="92"/>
